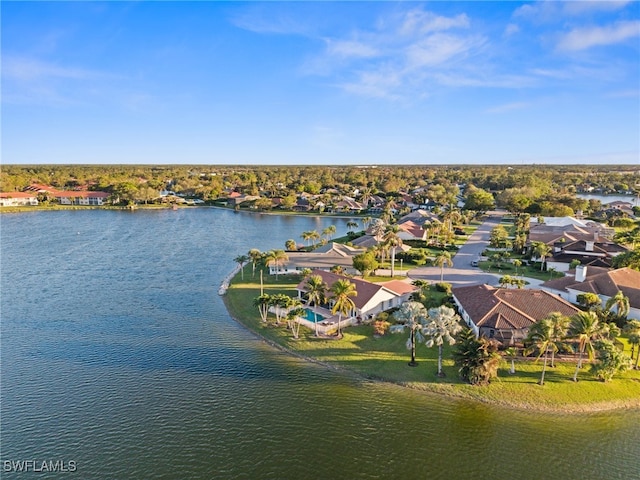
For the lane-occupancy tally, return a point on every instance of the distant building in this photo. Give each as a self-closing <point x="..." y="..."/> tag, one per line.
<point x="18" y="199"/>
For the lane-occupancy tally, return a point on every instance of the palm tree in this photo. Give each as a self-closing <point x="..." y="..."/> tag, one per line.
<point x="315" y="236"/>
<point x="621" y="304"/>
<point x="632" y="329"/>
<point x="366" y="196"/>
<point x="263" y="302"/>
<point x="378" y="227"/>
<point x="517" y="263"/>
<point x="560" y="327"/>
<point x="275" y="257"/>
<point x="256" y="256"/>
<point x="352" y="225"/>
<point x="412" y="315"/>
<point x="316" y="290"/>
<point x="329" y="231"/>
<point x="584" y="328"/>
<point x="292" y="318"/>
<point x="512" y="353"/>
<point x="280" y="303"/>
<point x="541" y="251"/>
<point x="307" y="236"/>
<point x="540" y="335"/>
<point x="241" y="260"/>
<point x="290" y="245"/>
<point x="392" y="239"/>
<point x="365" y="222"/>
<point x="477" y="358"/>
<point x="443" y="258"/>
<point x="342" y="290"/>
<point x="441" y="326"/>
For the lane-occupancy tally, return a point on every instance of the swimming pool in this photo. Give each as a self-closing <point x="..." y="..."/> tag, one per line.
<point x="312" y="317"/>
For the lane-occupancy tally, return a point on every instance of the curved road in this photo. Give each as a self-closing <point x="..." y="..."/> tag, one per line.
<point x="462" y="273"/>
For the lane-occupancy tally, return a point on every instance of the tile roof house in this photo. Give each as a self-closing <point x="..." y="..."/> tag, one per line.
<point x="588" y="251"/>
<point x="505" y="314"/>
<point x="71" y="197"/>
<point x="17" y="199"/>
<point x="603" y="282"/>
<point x="372" y="298"/>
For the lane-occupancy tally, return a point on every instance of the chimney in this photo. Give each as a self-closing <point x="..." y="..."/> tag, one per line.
<point x="589" y="246"/>
<point x="596" y="236"/>
<point x="581" y="273"/>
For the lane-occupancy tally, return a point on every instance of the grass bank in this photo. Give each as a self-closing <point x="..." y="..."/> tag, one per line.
<point x="386" y="359"/>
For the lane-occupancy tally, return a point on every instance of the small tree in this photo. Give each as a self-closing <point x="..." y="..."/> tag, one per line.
<point x="365" y="263"/>
<point x="609" y="361"/>
<point x="477" y="358"/>
<point x="588" y="300"/>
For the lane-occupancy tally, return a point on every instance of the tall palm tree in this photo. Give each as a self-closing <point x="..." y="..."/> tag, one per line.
<point x="541" y="250"/>
<point x="256" y="256"/>
<point x="366" y="221"/>
<point x="540" y="335"/>
<point x="585" y="329"/>
<point x="392" y="239"/>
<point x="632" y="329"/>
<point x="241" y="260"/>
<point x="342" y="290"/>
<point x="366" y="196"/>
<point x="316" y="290"/>
<point x="378" y="228"/>
<point x="352" y="225"/>
<point x="560" y="327"/>
<point x="443" y="258"/>
<point x="411" y="315"/>
<point x="329" y="232"/>
<point x="441" y="326"/>
<point x="306" y="236"/>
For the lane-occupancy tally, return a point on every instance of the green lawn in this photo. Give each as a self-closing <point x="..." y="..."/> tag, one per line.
<point x="386" y="358"/>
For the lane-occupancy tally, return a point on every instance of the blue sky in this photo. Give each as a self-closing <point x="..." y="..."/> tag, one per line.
<point x="321" y="82"/>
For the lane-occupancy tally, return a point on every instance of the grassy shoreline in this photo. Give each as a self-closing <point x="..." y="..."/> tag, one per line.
<point x="385" y="359"/>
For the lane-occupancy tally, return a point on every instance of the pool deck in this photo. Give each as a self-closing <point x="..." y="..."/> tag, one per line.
<point x="329" y="323"/>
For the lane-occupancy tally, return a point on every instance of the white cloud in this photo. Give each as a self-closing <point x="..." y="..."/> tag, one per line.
<point x="439" y="48"/>
<point x="29" y="69"/>
<point x="511" y="29"/>
<point x="509" y="107"/>
<point x="581" y="7"/>
<point x="420" y="22"/>
<point x="583" y="38"/>
<point x="350" y="48"/>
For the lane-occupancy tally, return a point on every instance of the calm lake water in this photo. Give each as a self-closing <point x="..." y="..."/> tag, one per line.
<point x="632" y="199"/>
<point x="118" y="354"/>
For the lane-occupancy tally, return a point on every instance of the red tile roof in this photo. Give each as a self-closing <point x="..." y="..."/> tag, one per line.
<point x="502" y="308"/>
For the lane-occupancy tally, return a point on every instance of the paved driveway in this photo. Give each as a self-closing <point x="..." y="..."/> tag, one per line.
<point x="462" y="272"/>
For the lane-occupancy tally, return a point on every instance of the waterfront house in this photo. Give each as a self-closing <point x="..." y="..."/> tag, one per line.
<point x="18" y="199"/>
<point x="71" y="197"/>
<point x="322" y="258"/>
<point x="371" y="298"/>
<point x="603" y="282"/>
<point x="506" y="315"/>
